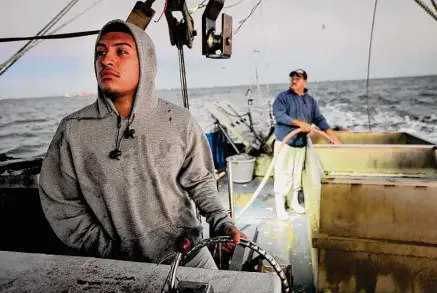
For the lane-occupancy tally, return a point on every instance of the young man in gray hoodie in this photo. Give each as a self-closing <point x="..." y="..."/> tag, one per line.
<point x="121" y="175"/>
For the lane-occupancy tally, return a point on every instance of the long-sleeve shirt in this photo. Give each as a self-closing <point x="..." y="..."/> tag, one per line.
<point x="290" y="106"/>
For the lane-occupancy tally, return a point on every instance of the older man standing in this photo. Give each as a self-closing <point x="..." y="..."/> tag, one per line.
<point x="293" y="109"/>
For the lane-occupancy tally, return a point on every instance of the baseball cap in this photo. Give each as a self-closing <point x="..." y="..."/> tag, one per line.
<point x="299" y="72"/>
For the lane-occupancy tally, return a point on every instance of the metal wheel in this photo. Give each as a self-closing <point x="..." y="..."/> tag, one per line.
<point x="246" y="243"/>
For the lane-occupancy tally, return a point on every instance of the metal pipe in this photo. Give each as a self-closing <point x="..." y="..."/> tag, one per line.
<point x="255" y="239"/>
<point x="231" y="190"/>
<point x="173" y="271"/>
<point x="183" y="77"/>
<point x="228" y="138"/>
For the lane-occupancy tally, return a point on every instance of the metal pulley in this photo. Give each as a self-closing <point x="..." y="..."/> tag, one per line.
<point x="213" y="45"/>
<point x="182" y="32"/>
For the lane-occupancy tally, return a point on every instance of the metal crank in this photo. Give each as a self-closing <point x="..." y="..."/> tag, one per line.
<point x="183" y="286"/>
<point x="185" y="251"/>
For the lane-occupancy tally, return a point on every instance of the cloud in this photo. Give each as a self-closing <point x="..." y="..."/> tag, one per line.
<point x="329" y="39"/>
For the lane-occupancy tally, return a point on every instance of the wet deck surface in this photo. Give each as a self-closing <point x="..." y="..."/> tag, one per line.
<point x="286" y="241"/>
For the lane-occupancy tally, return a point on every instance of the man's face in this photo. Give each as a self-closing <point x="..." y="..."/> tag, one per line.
<point x="297" y="83"/>
<point x="117" y="64"/>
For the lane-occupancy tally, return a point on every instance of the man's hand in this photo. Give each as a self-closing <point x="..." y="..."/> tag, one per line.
<point x="302" y="125"/>
<point x="334" y="138"/>
<point x="305" y="127"/>
<point x="236" y="236"/>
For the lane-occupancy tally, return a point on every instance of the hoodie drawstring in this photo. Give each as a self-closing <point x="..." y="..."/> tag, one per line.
<point x="115" y="154"/>
<point x="127" y="133"/>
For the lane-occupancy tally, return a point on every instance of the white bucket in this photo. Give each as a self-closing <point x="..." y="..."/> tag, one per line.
<point x="242" y="167"/>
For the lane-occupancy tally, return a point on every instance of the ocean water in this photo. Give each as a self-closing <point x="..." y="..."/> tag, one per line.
<point x="406" y="104"/>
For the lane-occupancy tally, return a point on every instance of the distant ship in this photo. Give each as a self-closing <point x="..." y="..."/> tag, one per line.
<point x="80" y="94"/>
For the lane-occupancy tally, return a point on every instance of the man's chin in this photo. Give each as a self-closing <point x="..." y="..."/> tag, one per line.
<point x="109" y="90"/>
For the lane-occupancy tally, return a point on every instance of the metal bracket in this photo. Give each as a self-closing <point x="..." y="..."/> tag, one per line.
<point x="216" y="46"/>
<point x="249" y="97"/>
<point x="141" y="14"/>
<point x="237" y="258"/>
<point x="182" y="31"/>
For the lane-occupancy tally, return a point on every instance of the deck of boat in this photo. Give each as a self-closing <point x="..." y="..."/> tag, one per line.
<point x="286" y="241"/>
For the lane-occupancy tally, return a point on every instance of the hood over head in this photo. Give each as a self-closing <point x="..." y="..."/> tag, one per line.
<point x="145" y="100"/>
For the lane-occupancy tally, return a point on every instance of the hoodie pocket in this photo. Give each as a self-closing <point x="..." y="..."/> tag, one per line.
<point x="152" y="246"/>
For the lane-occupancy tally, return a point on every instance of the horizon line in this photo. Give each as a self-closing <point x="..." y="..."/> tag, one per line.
<point x="227" y="86"/>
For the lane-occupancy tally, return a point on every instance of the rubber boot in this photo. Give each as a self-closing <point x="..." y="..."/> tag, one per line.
<point x="281" y="214"/>
<point x="297" y="208"/>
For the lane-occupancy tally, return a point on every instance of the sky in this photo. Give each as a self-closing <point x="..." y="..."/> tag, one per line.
<point x="327" y="38"/>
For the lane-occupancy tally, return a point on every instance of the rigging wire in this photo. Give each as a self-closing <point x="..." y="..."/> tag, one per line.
<point x="203" y="5"/>
<point x="251" y="62"/>
<point x="368" y="65"/>
<point x="11" y="61"/>
<point x="427" y="9"/>
<point x="235" y="4"/>
<point x="241" y="22"/>
<point x="163" y="11"/>
<point x="75" y="17"/>
<point x="52" y="33"/>
<point x="51" y="37"/>
<point x="434" y="4"/>
<point x="197" y="7"/>
<point x="263" y="49"/>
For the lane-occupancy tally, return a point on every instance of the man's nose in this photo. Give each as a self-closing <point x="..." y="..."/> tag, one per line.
<point x="108" y="60"/>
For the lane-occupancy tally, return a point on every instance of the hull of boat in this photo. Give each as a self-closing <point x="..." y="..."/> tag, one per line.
<point x="370" y="213"/>
<point x="24" y="227"/>
<point x="24" y="272"/>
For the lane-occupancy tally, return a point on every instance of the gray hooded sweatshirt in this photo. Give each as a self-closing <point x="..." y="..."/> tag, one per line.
<point x="137" y="207"/>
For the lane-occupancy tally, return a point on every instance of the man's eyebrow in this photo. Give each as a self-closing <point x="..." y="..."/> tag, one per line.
<point x="115" y="44"/>
<point x="122" y="44"/>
